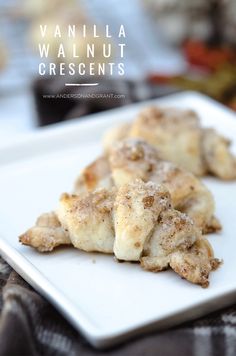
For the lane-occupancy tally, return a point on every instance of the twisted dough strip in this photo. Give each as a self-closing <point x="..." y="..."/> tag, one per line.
<point x="134" y="158"/>
<point x="137" y="223"/>
<point x="46" y="234"/>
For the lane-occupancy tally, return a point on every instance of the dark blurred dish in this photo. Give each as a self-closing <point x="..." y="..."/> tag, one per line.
<point x="56" y="102"/>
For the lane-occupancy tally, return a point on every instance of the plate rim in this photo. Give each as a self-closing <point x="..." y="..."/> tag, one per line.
<point x="104" y="339"/>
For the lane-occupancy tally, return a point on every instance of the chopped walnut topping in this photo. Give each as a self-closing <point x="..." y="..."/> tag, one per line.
<point x="148" y="202"/>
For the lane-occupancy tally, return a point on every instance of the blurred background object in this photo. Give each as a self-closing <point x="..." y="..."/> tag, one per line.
<point x="180" y="20"/>
<point x="205" y="32"/>
<point x="33" y="9"/>
<point x="3" y="57"/>
<point x="171" y="45"/>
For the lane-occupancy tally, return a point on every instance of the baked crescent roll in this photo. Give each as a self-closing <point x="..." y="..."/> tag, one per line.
<point x="133" y="158"/>
<point x="137" y="223"/>
<point x="179" y="138"/>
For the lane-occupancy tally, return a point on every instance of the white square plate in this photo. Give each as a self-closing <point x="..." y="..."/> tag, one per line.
<point x="105" y="300"/>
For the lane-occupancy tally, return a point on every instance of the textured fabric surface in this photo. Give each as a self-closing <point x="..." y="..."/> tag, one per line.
<point x="29" y="325"/>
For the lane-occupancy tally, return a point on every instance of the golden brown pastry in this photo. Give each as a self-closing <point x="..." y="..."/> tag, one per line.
<point x="137" y="208"/>
<point x="134" y="158"/>
<point x="176" y="133"/>
<point x="219" y="161"/>
<point x="116" y="134"/>
<point x="138" y="223"/>
<point x="96" y="174"/>
<point x="46" y="234"/>
<point x="88" y="220"/>
<point x="179" y="138"/>
<point x="193" y="264"/>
